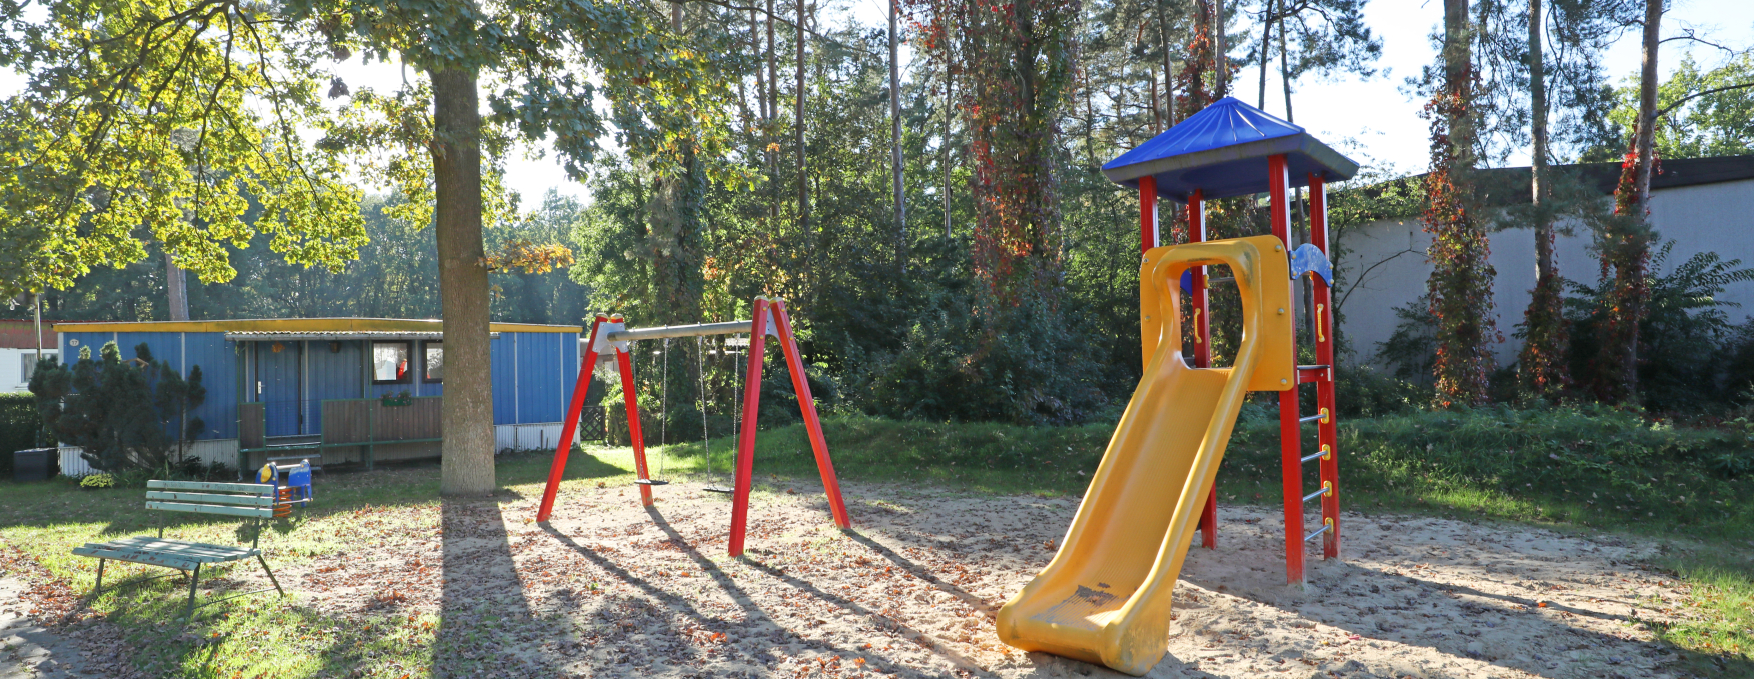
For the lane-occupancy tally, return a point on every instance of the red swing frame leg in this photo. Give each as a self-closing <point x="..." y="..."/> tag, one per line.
<point x="633" y="429"/>
<point x="746" y="437"/>
<point x="570" y="427"/>
<point x="807" y="407"/>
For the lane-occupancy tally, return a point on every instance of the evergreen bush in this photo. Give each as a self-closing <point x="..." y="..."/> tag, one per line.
<point x="124" y="415"/>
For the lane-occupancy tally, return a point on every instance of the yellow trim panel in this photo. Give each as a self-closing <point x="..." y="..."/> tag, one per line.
<point x="302" y="325"/>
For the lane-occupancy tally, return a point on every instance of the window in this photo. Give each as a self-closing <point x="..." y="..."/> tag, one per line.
<point x="390" y="362"/>
<point x="28" y="368"/>
<point x="434" y="360"/>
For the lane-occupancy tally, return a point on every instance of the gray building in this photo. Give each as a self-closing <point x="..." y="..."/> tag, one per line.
<point x="1703" y="204"/>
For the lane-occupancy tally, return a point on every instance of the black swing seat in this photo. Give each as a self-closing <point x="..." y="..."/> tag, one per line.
<point x="650" y="482"/>
<point x="718" y="489"/>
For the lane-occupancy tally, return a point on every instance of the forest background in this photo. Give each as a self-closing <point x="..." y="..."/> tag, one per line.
<point x="898" y="305"/>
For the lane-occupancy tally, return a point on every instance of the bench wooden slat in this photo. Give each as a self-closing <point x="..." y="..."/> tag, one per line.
<point x="251" y="488"/>
<point x="248" y="512"/>
<point x="136" y="556"/>
<point x="182" y="547"/>
<point x="213" y="499"/>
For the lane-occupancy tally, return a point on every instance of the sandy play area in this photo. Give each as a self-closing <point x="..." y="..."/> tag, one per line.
<point x="610" y="589"/>
<point x="614" y="590"/>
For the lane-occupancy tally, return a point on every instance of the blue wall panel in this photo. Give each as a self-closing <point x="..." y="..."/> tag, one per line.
<point x="426" y="388"/>
<point x="542" y="376"/>
<point x="218" y="361"/>
<point x="504" y="371"/>
<point x="333" y="371"/>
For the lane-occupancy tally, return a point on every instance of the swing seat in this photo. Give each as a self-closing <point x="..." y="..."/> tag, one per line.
<point x="718" y="489"/>
<point x="650" y="482"/>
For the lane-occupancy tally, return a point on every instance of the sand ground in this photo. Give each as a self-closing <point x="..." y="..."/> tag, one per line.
<point x="611" y="589"/>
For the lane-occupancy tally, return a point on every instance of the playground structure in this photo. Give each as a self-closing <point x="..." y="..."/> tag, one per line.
<point x="610" y="335"/>
<point x="1106" y="596"/>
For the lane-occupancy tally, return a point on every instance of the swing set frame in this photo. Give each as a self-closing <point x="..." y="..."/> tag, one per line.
<point x="610" y="334"/>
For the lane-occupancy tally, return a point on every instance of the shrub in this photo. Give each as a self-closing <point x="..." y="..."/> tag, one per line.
<point x="118" y="411"/>
<point x="98" y="480"/>
<point x="19" y="427"/>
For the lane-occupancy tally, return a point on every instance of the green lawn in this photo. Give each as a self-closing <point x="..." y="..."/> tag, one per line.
<point x="1579" y="470"/>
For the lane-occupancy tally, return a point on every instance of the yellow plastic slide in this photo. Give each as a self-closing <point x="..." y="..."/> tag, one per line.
<point x="1105" y="598"/>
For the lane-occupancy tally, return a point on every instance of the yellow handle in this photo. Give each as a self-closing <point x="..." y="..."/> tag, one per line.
<point x="1320" y="336"/>
<point x="1325" y="417"/>
<point x="1327" y="452"/>
<point x="1197" y="339"/>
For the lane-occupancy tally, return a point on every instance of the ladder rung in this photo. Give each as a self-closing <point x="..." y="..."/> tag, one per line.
<point x="1307" y="458"/>
<point x="1311" y="418"/>
<point x="1313" y="367"/>
<point x="1318" y="531"/>
<point x="1319" y="493"/>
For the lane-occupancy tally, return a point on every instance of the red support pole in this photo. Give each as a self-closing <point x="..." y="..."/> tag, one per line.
<point x="746" y="438"/>
<point x="633" y="429"/>
<point x="1327" y="429"/>
<point x="1147" y="214"/>
<point x="807" y="404"/>
<point x="1290" y="441"/>
<point x="1202" y="321"/>
<point x="580" y="387"/>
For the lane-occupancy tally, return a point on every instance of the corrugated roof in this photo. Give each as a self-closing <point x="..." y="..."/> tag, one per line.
<point x="265" y="336"/>
<point x="1222" y="151"/>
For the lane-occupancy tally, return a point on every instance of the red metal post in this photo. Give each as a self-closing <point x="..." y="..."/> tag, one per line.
<point x="1290" y="442"/>
<point x="1202" y="322"/>
<point x="746" y="438"/>
<point x="628" y="394"/>
<point x="1147" y="213"/>
<point x="580" y="387"/>
<point x="1328" y="429"/>
<point x="807" y="405"/>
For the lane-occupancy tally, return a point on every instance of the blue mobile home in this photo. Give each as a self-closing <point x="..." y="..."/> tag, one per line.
<point x="349" y="389"/>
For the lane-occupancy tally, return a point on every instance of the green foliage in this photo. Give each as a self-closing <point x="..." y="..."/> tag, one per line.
<point x="97" y="481"/>
<point x="1716" y="124"/>
<point x="19" y="428"/>
<point x="119" y="411"/>
<point x="1684" y="338"/>
<point x="144" y="121"/>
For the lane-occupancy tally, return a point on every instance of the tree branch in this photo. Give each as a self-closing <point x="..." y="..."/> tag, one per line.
<point x="1697" y="95"/>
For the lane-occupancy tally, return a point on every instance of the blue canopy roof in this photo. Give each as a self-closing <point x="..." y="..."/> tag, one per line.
<point x="1223" y="151"/>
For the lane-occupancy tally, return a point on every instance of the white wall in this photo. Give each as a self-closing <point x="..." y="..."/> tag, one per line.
<point x="12" y="367"/>
<point x="1384" y="263"/>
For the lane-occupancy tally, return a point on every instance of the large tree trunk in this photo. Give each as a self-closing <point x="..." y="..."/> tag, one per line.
<point x="467" y="417"/>
<point x="176" y="288"/>
<point x="1220" y="62"/>
<point x="1266" y="32"/>
<point x="1646" y="164"/>
<point x="1540" y="365"/>
<point x="1461" y="272"/>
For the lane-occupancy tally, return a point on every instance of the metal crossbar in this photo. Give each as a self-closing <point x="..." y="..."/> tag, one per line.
<point x="1307" y="458"/>
<point x="1319" y="493"/>
<point x="664" y="331"/>
<point x="1318" y="531"/>
<point x="1311" y="418"/>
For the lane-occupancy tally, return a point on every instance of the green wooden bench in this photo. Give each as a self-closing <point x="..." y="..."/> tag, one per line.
<point x="253" y="501"/>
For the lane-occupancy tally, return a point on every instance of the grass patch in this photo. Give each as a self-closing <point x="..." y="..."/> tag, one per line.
<point x="1580" y="467"/>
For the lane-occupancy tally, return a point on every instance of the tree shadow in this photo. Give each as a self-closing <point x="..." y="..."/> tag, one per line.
<point x="486" y="624"/>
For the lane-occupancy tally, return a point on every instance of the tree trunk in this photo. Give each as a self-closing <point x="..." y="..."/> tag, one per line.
<point x="1168" y="66"/>
<point x="1285" y="71"/>
<point x="176" y="288"/>
<point x="1266" y="31"/>
<point x="1540" y="368"/>
<point x="798" y="115"/>
<point x="467" y="417"/>
<point x="1639" y="242"/>
<point x="1220" y="62"/>
<point x="949" y="118"/>
<point x="895" y="142"/>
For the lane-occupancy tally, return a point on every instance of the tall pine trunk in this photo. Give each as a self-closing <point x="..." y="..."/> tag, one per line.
<point x="1461" y="275"/>
<point x="1626" y="246"/>
<point x="1541" y="364"/>
<point x="895" y="140"/>
<point x="467" y="416"/>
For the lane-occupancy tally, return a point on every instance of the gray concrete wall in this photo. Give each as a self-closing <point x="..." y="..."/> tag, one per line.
<point x="1384" y="264"/>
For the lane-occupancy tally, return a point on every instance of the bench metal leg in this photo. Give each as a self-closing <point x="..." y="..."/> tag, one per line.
<point x="270" y="573"/>
<point x="193" y="578"/>
<point x="100" y="577"/>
